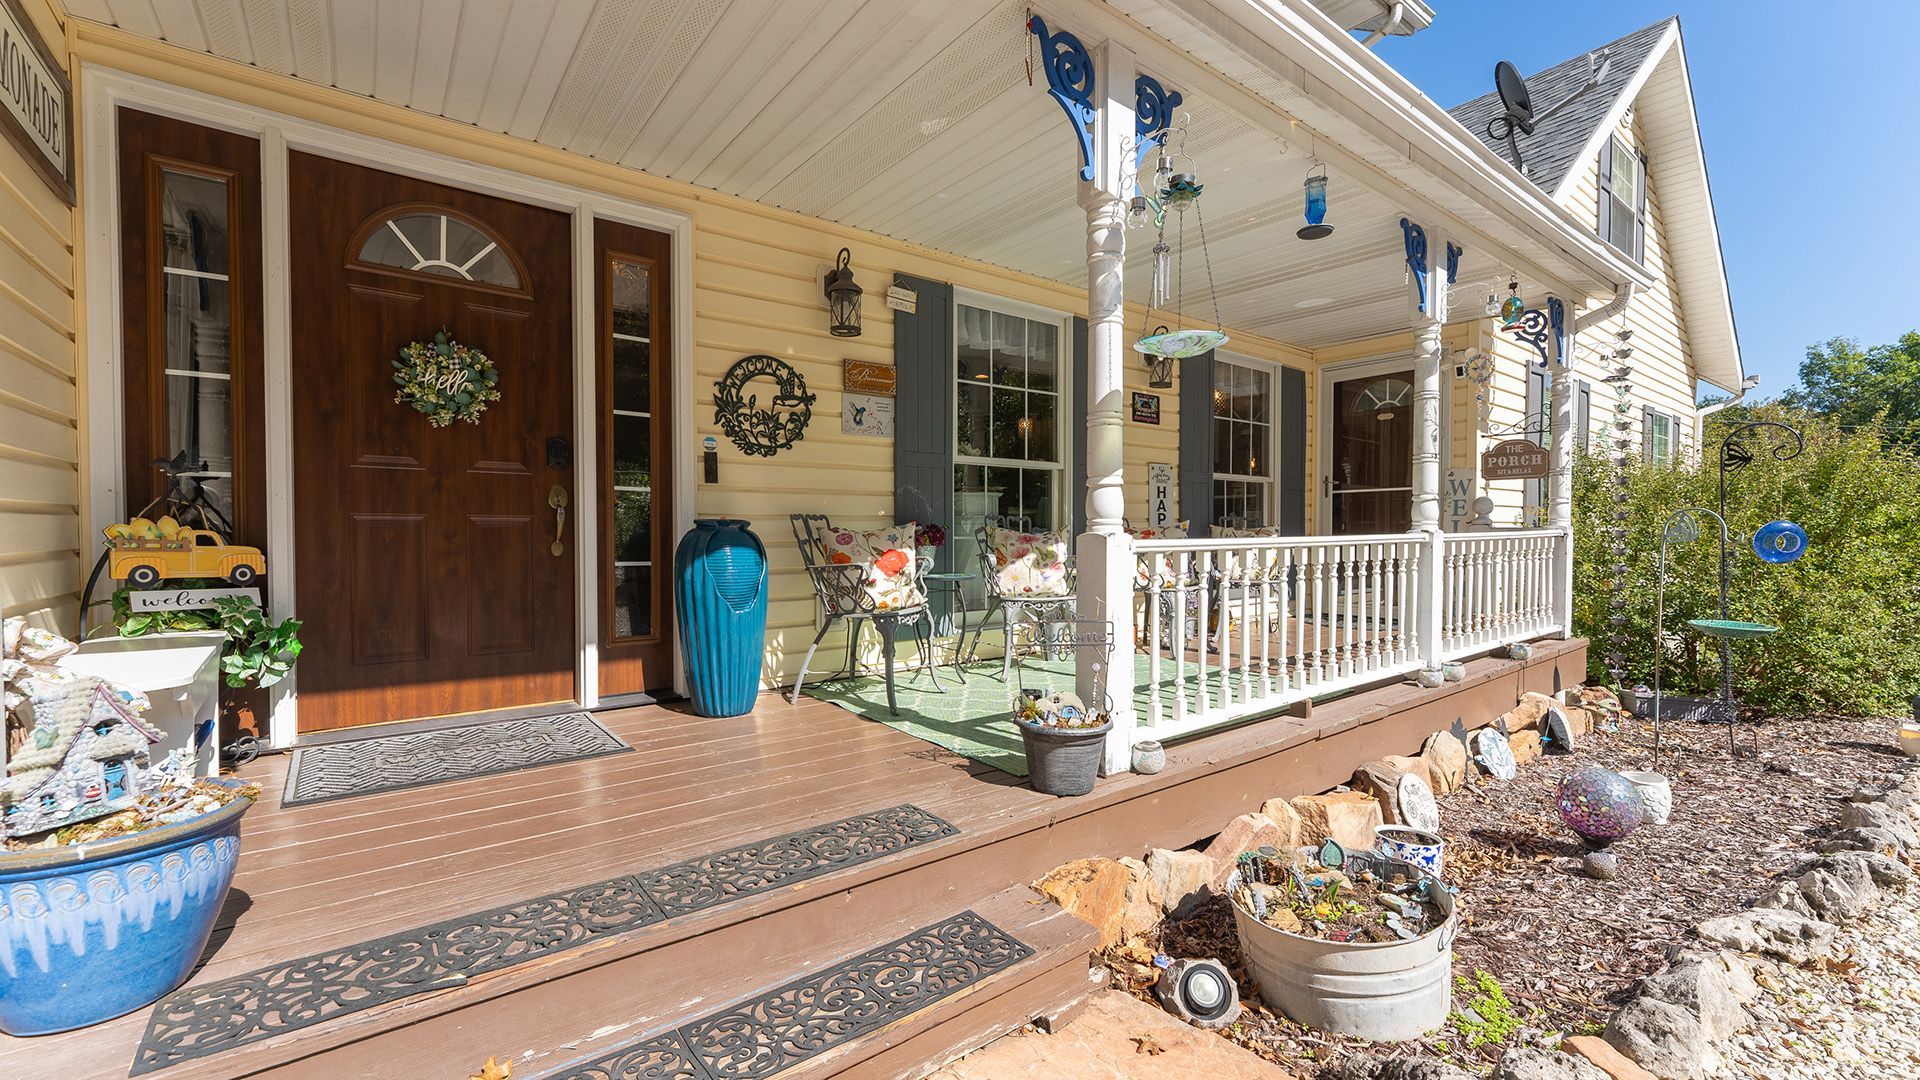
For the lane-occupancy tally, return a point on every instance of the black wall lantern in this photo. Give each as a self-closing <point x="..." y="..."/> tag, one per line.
<point x="843" y="297"/>
<point x="1159" y="368"/>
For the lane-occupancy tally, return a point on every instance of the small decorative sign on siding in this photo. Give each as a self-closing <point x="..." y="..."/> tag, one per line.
<point x="1146" y="408"/>
<point x="867" y="414"/>
<point x="1515" y="459"/>
<point x="37" y="100"/>
<point x="185" y="599"/>
<point x="862" y="377"/>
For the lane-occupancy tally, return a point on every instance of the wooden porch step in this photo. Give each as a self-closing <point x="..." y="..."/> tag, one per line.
<point x="550" y="1008"/>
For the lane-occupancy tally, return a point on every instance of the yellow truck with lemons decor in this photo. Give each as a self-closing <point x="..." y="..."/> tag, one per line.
<point x="144" y="553"/>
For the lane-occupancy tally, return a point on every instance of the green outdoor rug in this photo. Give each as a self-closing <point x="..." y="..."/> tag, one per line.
<point x="975" y="719"/>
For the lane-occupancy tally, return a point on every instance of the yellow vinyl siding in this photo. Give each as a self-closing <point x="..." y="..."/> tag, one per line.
<point x="40" y="544"/>
<point x="1663" y="371"/>
<point x="756" y="289"/>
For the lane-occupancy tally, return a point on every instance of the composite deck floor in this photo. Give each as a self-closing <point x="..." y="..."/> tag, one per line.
<point x="325" y="875"/>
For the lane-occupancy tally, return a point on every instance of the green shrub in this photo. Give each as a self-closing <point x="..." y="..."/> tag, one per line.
<point x="1849" y="609"/>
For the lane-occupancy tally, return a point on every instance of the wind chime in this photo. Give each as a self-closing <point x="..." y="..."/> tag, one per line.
<point x="1174" y="186"/>
<point x="1619" y="376"/>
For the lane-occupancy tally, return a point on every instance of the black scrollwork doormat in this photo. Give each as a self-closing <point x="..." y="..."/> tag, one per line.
<point x="200" y="1020"/>
<point x="394" y="762"/>
<point x="768" y="1034"/>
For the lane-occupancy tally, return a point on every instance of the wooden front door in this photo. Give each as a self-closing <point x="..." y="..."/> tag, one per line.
<point x="434" y="572"/>
<point x="1371" y="478"/>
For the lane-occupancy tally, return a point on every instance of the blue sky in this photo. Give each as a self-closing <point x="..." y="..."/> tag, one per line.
<point x="1812" y="127"/>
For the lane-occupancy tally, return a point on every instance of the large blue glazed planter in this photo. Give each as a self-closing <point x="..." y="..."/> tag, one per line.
<point x="95" y="931"/>
<point x="720" y="585"/>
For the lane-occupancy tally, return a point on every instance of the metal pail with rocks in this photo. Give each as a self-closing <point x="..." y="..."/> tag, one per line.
<point x="1387" y="991"/>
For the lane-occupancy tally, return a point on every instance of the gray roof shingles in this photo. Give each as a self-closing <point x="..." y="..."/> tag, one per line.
<point x="1551" y="151"/>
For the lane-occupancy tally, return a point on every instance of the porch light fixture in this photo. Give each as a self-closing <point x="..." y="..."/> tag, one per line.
<point x="843" y="297"/>
<point x="1159" y="365"/>
<point x="1316" y="202"/>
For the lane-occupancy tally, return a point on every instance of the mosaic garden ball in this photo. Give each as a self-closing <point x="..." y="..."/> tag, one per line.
<point x="1599" y="805"/>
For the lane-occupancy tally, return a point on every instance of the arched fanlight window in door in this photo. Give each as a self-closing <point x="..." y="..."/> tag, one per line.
<point x="1382" y="395"/>
<point x="433" y="242"/>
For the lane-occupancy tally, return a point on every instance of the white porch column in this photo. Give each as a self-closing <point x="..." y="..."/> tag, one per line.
<point x="1560" y="353"/>
<point x="1430" y="259"/>
<point x="1103" y="555"/>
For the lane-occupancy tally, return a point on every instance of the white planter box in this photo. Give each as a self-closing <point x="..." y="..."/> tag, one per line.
<point x="179" y="673"/>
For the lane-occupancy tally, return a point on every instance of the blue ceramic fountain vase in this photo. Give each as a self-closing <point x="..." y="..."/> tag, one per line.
<point x="720" y="593"/>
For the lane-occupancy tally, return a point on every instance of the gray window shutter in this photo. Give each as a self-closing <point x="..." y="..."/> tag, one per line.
<point x="1076" y="418"/>
<point x="1583" y="416"/>
<point x="923" y="416"/>
<point x="1646" y="432"/>
<point x="1537" y="421"/>
<point x="1196" y="443"/>
<point x="1640" y="213"/>
<point x="1606" y="189"/>
<point x="1291" y="515"/>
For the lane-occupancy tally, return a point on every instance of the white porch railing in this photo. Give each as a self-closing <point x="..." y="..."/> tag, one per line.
<point x="1234" y="627"/>
<point x="1496" y="588"/>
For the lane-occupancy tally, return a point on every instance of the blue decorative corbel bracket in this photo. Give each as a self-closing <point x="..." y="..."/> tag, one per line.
<point x="1153" y="107"/>
<point x="1070" y="82"/>
<point x="1557" y="316"/>
<point x="1416" y="241"/>
<point x="1454" y="251"/>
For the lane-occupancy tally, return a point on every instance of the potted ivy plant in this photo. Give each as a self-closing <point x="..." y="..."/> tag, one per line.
<point x="259" y="652"/>
<point x="1064" y="741"/>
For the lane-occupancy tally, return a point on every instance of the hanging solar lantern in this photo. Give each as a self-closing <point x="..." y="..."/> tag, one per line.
<point x="1316" y="203"/>
<point x="843" y="297"/>
<point x="1512" y="307"/>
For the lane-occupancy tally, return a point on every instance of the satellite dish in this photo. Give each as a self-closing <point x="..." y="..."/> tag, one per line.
<point x="1514" y="96"/>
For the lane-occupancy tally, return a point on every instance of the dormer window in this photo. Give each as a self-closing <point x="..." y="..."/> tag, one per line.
<point x="1623" y="198"/>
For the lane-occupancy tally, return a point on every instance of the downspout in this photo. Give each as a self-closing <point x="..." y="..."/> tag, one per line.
<point x="1621" y="297"/>
<point x="1395" y="15"/>
<point x="1700" y="415"/>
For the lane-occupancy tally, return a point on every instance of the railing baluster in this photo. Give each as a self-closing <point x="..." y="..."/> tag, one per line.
<point x="1181" y="584"/>
<point x="1156" y="567"/>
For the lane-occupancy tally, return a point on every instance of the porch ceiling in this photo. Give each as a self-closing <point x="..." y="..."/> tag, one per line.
<point x="936" y="138"/>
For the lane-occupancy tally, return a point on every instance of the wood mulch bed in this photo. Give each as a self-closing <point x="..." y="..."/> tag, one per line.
<point x="1564" y="947"/>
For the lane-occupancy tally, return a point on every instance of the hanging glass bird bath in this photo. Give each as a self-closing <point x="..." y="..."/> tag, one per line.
<point x="1179" y="344"/>
<point x="1780" y="542"/>
<point x="1732" y="629"/>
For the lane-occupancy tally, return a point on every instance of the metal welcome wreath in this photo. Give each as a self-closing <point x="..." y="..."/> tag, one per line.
<point x="754" y="429"/>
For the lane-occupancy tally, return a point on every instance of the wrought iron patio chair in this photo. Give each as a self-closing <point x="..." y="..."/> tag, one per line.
<point x="1014" y="608"/>
<point x="841" y="590"/>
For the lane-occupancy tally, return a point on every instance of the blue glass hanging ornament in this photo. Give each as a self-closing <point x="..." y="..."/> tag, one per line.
<point x="1512" y="307"/>
<point x="1316" y="207"/>
<point x="1780" y="542"/>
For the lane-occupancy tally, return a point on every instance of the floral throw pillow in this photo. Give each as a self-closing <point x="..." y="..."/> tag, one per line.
<point x="1142" y="578"/>
<point x="887" y="557"/>
<point x="1266" y="561"/>
<point x="1029" y="563"/>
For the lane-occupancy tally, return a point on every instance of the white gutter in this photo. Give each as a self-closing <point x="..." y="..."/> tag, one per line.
<point x="1395" y="16"/>
<point x="1700" y="415"/>
<point x="1621" y="297"/>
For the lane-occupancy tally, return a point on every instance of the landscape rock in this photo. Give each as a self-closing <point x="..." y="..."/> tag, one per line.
<point x="1889" y="819"/>
<point x="1708" y="988"/>
<point x="1664" y="1039"/>
<point x="1416" y="765"/>
<point x="1367" y="1067"/>
<point x="1528" y="713"/>
<point x="1600" y="865"/>
<point x="1446" y="759"/>
<point x="1886" y="872"/>
<point x="1579" y="720"/>
<point x="1533" y="1063"/>
<point x="1244" y="833"/>
<point x="1874" y="840"/>
<point x="1111" y="895"/>
<point x="1835" y="891"/>
<point x="1283" y="815"/>
<point x="1785" y="935"/>
<point x="1381" y="780"/>
<point x="1183" y="880"/>
<point x="1348" y="817"/>
<point x="1596" y="1052"/>
<point x="1526" y="745"/>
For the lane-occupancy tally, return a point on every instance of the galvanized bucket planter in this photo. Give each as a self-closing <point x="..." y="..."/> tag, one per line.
<point x="1384" y="991"/>
<point x="1063" y="761"/>
<point x="90" y="932"/>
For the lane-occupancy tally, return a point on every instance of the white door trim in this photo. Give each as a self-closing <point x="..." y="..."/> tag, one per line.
<point x="1379" y="365"/>
<point x="105" y="89"/>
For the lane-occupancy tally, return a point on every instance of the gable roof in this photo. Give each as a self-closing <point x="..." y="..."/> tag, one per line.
<point x="1649" y="73"/>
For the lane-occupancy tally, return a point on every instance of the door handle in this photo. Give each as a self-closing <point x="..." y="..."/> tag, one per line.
<point x="557" y="498"/>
